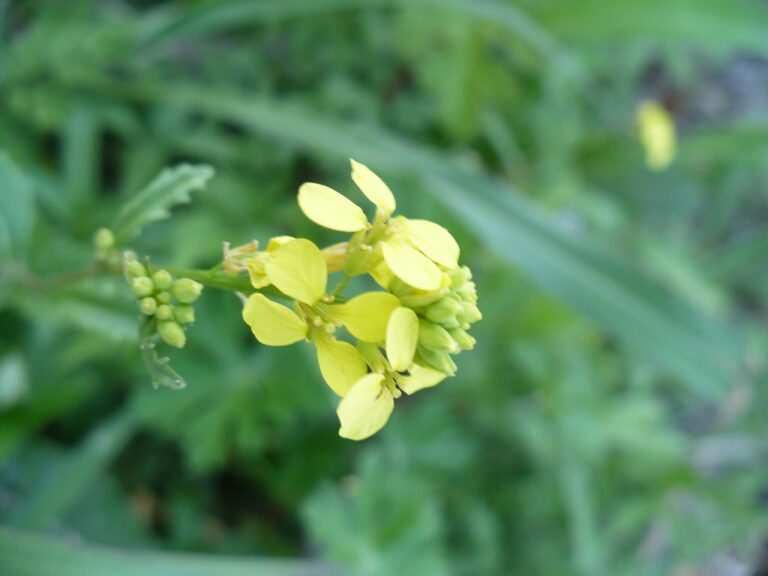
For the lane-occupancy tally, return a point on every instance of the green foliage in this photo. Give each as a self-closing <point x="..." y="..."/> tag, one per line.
<point x="153" y="202"/>
<point x="610" y="419"/>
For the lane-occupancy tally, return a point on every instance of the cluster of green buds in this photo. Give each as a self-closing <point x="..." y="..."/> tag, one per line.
<point x="162" y="299"/>
<point x="399" y="339"/>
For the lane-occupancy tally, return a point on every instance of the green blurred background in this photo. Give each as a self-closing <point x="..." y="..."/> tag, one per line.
<point x="611" y="419"/>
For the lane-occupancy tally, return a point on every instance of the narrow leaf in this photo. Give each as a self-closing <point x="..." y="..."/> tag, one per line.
<point x="171" y="187"/>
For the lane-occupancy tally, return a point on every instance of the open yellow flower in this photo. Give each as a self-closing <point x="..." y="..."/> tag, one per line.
<point x="413" y="250"/>
<point x="298" y="269"/>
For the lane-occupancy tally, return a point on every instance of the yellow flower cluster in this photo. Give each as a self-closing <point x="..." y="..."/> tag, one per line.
<point x="403" y="336"/>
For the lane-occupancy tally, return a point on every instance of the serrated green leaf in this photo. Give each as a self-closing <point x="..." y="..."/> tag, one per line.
<point x="172" y="186"/>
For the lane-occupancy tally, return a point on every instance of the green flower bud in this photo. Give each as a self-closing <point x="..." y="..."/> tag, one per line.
<point x="172" y="334"/>
<point x="148" y="306"/>
<point x="468" y="291"/>
<point x="443" y="310"/>
<point x="470" y="313"/>
<point x="142" y="287"/>
<point x="463" y="339"/>
<point x="459" y="276"/>
<point x="184" y="314"/>
<point x="162" y="279"/>
<point x="439" y="360"/>
<point x="164" y="312"/>
<point x="186" y="290"/>
<point x="436" y="337"/>
<point x="134" y="269"/>
<point x="164" y="297"/>
<point x="104" y="240"/>
<point x="421" y="300"/>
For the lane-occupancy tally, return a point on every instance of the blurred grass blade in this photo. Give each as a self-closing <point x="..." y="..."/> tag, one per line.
<point x="595" y="282"/>
<point x="717" y="24"/>
<point x="697" y="349"/>
<point x="17" y="209"/>
<point x="224" y="16"/>
<point x="172" y="186"/>
<point x="65" y="485"/>
<point x="27" y="554"/>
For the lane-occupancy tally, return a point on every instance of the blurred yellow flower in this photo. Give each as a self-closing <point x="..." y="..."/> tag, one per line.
<point x="657" y="135"/>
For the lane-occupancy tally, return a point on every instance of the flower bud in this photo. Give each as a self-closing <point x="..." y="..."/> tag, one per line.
<point x="436" y="337"/>
<point x="148" y="306"/>
<point x="104" y="240"/>
<point x="470" y="313"/>
<point x="162" y="279"/>
<point x="134" y="269"/>
<point x="184" y="314"/>
<point x="421" y="299"/>
<point x="172" y="334"/>
<point x="186" y="290"/>
<point x="463" y="339"/>
<point x="468" y="291"/>
<point x="438" y="360"/>
<point x="142" y="286"/>
<point x="164" y="297"/>
<point x="459" y="276"/>
<point x="443" y="310"/>
<point x="164" y="312"/>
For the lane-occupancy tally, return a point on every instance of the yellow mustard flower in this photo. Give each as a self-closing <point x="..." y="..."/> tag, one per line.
<point x="415" y="250"/>
<point x="298" y="269"/>
<point x="657" y="135"/>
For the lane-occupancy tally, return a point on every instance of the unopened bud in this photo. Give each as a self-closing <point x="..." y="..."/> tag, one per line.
<point x="162" y="279"/>
<point x="148" y="306"/>
<point x="421" y="299"/>
<point x="436" y="337"/>
<point x="164" y="297"/>
<point x="463" y="339"/>
<point x="470" y="313"/>
<point x="443" y="311"/>
<point x="186" y="290"/>
<point x="460" y="275"/>
<point x="104" y="240"/>
<point x="134" y="269"/>
<point x="164" y="312"/>
<point x="184" y="314"/>
<point x="142" y="287"/>
<point x="438" y="360"/>
<point x="172" y="334"/>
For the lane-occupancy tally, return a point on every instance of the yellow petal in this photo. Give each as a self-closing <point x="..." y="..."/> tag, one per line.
<point x="328" y="208"/>
<point x="298" y="270"/>
<point x="402" y="337"/>
<point x="365" y="409"/>
<point x="256" y="270"/>
<point x="273" y="324"/>
<point x="373" y="187"/>
<point x="277" y="241"/>
<point x="657" y="135"/>
<point x="340" y="363"/>
<point x="366" y="316"/>
<point x="420" y="378"/>
<point x="434" y="241"/>
<point x="382" y="274"/>
<point x="411" y="266"/>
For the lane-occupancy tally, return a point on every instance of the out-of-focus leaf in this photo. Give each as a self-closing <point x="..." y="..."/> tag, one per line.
<point x="171" y="187"/>
<point x="17" y="209"/>
<point x="69" y="482"/>
<point x="716" y="24"/>
<point x="98" y="304"/>
<point x="27" y="554"/>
